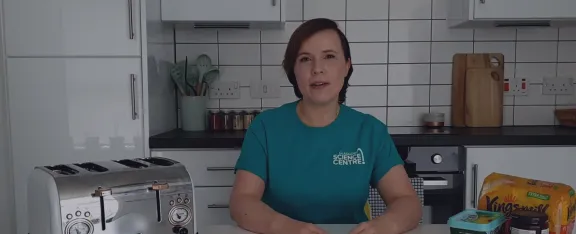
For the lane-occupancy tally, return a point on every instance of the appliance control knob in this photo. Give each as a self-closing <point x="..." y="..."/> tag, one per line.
<point x="180" y="230"/>
<point x="436" y="158"/>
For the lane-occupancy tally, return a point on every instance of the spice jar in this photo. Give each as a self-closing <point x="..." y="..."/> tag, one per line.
<point x="248" y="117"/>
<point x="228" y="121"/>
<point x="214" y="121"/>
<point x="528" y="222"/>
<point x="237" y="121"/>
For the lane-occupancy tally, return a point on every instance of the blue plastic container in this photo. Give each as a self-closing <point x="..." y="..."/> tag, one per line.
<point x="476" y="222"/>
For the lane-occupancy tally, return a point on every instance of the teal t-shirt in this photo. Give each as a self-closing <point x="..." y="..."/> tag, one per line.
<point x="319" y="175"/>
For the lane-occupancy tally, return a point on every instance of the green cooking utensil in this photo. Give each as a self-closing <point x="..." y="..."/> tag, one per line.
<point x="203" y="63"/>
<point x="176" y="75"/>
<point x="211" y="75"/>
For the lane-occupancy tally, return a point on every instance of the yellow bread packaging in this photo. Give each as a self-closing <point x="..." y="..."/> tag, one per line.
<point x="506" y="193"/>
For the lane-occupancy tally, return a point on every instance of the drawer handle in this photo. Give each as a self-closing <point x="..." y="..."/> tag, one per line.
<point x="216" y="206"/>
<point x="220" y="168"/>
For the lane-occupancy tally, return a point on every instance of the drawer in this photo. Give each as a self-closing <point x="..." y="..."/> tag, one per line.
<point x="207" y="167"/>
<point x="212" y="207"/>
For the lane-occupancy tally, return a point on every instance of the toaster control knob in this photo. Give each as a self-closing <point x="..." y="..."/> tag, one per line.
<point x="436" y="158"/>
<point x="180" y="230"/>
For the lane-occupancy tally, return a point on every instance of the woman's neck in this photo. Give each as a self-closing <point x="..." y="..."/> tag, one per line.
<point x="317" y="115"/>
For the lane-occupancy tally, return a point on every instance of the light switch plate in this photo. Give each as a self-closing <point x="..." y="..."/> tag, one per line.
<point x="265" y="88"/>
<point x="558" y="86"/>
<point x="225" y="90"/>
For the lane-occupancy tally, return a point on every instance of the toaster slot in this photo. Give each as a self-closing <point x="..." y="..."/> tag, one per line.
<point x="158" y="161"/>
<point x="131" y="163"/>
<point x="62" y="169"/>
<point x="92" y="167"/>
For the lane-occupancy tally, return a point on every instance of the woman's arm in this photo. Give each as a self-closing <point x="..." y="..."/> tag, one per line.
<point x="403" y="206"/>
<point x="247" y="209"/>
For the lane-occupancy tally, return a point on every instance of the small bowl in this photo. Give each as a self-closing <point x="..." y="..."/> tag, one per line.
<point x="566" y="117"/>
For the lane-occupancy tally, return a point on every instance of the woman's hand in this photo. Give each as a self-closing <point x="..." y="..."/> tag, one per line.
<point x="370" y="227"/>
<point x="297" y="227"/>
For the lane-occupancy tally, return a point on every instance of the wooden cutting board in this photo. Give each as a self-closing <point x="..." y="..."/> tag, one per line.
<point x="477" y="90"/>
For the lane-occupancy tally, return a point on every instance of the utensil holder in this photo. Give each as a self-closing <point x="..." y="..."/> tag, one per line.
<point x="193" y="113"/>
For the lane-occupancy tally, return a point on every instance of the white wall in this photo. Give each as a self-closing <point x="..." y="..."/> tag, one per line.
<point x="402" y="53"/>
<point x="7" y="220"/>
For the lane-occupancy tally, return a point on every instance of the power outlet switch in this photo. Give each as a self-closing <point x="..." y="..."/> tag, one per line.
<point x="225" y="90"/>
<point x="558" y="86"/>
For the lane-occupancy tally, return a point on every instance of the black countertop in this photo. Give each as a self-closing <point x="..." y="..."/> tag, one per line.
<point x="402" y="136"/>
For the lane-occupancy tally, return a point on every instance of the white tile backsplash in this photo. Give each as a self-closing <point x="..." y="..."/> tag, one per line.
<point x="367" y="10"/>
<point x="410" y="30"/>
<point x="402" y="52"/>
<point x="406" y="74"/>
<point x="369" y="52"/>
<point x="409" y="95"/>
<point x="409" y="52"/>
<point x="367" y="31"/>
<point x="239" y="54"/>
<point x="369" y="74"/>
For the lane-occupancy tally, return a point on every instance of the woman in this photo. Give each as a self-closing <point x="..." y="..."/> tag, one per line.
<point x="312" y="161"/>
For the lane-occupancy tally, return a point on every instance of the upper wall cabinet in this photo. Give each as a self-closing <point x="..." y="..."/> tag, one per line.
<point x="226" y="13"/>
<point x="72" y="27"/>
<point x="511" y="13"/>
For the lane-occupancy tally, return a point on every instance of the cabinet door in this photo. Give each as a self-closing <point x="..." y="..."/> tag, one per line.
<point x="212" y="207"/>
<point x="553" y="164"/>
<point x="222" y="10"/>
<point x="65" y="110"/>
<point x="72" y="27"/>
<point x="524" y="9"/>
<point x="206" y="167"/>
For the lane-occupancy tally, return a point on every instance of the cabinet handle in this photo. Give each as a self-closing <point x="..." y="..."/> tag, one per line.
<point x="133" y="96"/>
<point x="216" y="206"/>
<point x="130" y="19"/>
<point x="474" y="184"/>
<point x="482" y="1"/>
<point x="273" y="2"/>
<point x="219" y="168"/>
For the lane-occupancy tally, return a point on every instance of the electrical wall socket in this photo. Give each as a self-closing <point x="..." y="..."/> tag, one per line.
<point x="558" y="86"/>
<point x="224" y="90"/>
<point x="517" y="86"/>
<point x="265" y="88"/>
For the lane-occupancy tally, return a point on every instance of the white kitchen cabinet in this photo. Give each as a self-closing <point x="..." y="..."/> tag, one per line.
<point x="212" y="207"/>
<point x="72" y="27"/>
<point x="529" y="9"/>
<point x="206" y="167"/>
<point x="549" y="163"/>
<point x="229" y="11"/>
<point x="510" y="13"/>
<point x="65" y="110"/>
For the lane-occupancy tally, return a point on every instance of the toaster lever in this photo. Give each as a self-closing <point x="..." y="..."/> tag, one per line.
<point x="101" y="192"/>
<point x="157" y="187"/>
<point x="160" y="186"/>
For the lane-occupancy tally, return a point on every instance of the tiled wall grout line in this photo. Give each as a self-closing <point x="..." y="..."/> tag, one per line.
<point x="387" y="113"/>
<point x="515" y="67"/>
<point x="218" y="57"/>
<point x="430" y="66"/>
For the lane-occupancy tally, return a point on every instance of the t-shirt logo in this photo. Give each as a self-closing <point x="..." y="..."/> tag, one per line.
<point x="349" y="158"/>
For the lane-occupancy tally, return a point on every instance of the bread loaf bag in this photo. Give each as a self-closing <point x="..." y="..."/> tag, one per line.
<point x="506" y="193"/>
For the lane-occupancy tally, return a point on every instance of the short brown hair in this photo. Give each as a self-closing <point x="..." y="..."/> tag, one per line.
<point x="302" y="33"/>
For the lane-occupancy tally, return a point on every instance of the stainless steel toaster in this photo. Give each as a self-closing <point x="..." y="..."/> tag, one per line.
<point x="130" y="196"/>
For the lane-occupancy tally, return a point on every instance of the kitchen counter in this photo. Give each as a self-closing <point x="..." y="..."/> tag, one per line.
<point x="402" y="136"/>
<point x="332" y="229"/>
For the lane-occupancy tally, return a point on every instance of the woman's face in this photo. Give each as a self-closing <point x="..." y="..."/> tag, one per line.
<point x="321" y="67"/>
